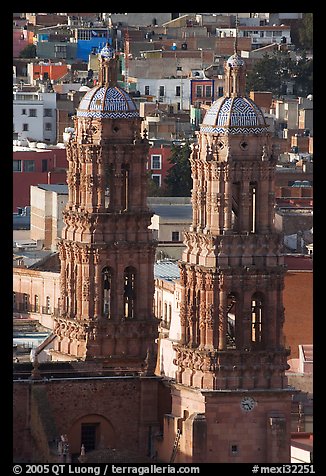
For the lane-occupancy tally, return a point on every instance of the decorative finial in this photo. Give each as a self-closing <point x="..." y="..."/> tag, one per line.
<point x="236" y="34"/>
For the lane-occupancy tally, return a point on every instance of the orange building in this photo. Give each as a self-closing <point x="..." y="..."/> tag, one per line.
<point x="298" y="302"/>
<point x="48" y="70"/>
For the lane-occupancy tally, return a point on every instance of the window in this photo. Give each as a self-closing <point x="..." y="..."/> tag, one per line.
<point x="107" y="292"/>
<point x="14" y="302"/>
<point x="47" y="112"/>
<point x="29" y="165"/>
<point x="17" y="165"/>
<point x="199" y="91"/>
<point x="157" y="179"/>
<point x="48" y="126"/>
<point x="156" y="162"/>
<point x="129" y="292"/>
<point x="32" y="113"/>
<point x="161" y="93"/>
<point x="36" y="303"/>
<point x="146" y="90"/>
<point x="23" y="112"/>
<point x="177" y="90"/>
<point x="48" y="304"/>
<point x="44" y="165"/>
<point x="88" y="435"/>
<point x="208" y="91"/>
<point x="25" y="127"/>
<point x="256" y="318"/>
<point x="220" y="91"/>
<point x="175" y="236"/>
<point x="25" y="302"/>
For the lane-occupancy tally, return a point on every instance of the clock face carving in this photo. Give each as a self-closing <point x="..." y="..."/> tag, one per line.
<point x="248" y="404"/>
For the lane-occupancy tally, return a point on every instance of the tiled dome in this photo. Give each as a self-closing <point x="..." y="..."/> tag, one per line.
<point x="234" y="115"/>
<point x="107" y="102"/>
<point x="235" y="60"/>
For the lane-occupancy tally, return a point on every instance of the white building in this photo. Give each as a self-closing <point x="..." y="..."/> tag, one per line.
<point x="34" y="115"/>
<point x="260" y="35"/>
<point x="167" y="90"/>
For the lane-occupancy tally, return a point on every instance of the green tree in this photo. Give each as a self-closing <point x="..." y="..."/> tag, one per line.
<point x="28" y="52"/>
<point x="178" y="178"/>
<point x="154" y="190"/>
<point x="272" y="73"/>
<point x="306" y="32"/>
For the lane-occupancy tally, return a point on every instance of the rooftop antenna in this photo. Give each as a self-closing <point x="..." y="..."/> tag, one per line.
<point x="236" y="34"/>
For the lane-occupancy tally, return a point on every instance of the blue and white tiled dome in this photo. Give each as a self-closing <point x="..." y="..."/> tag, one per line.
<point x="234" y="115"/>
<point x="107" y="102"/>
<point x="235" y="60"/>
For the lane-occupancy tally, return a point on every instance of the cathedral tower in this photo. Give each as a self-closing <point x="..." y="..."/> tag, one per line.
<point x="107" y="251"/>
<point x="231" y="402"/>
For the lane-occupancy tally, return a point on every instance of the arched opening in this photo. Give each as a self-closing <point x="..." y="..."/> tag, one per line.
<point x="235" y="206"/>
<point x="93" y="431"/>
<point x="125" y="187"/>
<point x="256" y="318"/>
<point x="107" y="292"/>
<point x="108" y="183"/>
<point x="129" y="292"/>
<point x="231" y="320"/>
<point x="253" y="207"/>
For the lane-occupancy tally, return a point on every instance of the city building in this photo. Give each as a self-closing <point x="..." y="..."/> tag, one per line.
<point x="224" y="370"/>
<point x="36" y="163"/>
<point x="34" y="114"/>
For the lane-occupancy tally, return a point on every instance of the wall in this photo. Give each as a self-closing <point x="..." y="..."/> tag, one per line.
<point x="22" y="181"/>
<point x="126" y="410"/>
<point x="298" y="303"/>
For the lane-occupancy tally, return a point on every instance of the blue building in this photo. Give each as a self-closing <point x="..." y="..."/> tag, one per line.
<point x="91" y="40"/>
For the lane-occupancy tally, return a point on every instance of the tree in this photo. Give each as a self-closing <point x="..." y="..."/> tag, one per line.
<point x="273" y="72"/>
<point x="178" y="178"/>
<point x="306" y="32"/>
<point x="28" y="52"/>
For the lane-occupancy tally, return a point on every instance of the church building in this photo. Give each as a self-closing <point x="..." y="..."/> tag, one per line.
<point x="228" y="400"/>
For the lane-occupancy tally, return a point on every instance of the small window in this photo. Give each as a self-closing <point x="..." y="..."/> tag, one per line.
<point x="29" y="165"/>
<point x="17" y="165"/>
<point x="146" y="90"/>
<point x="156" y="162"/>
<point x="208" y="91"/>
<point x="177" y="90"/>
<point x="162" y="91"/>
<point x="44" y="165"/>
<point x="175" y="236"/>
<point x="157" y="179"/>
<point x="47" y="112"/>
<point x="48" y="126"/>
<point x="199" y="91"/>
<point x="23" y="112"/>
<point x="25" y="127"/>
<point x="32" y="113"/>
<point x="234" y="449"/>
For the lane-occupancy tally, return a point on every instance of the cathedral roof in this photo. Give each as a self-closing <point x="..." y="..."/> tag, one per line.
<point x="234" y="115"/>
<point x="104" y="101"/>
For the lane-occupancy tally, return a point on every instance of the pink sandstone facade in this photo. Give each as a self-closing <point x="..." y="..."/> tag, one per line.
<point x="230" y="401"/>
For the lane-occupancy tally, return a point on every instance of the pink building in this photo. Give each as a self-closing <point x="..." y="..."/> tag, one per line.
<point x="21" y="38"/>
<point x="158" y="162"/>
<point x="36" y="166"/>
